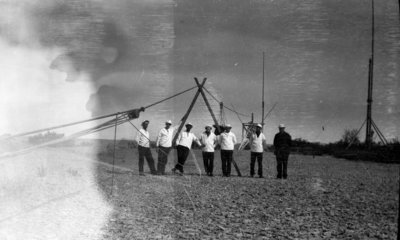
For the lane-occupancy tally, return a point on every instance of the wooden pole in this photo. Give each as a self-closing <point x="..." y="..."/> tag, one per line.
<point x="208" y="105"/>
<point x="368" y="135"/>
<point x="263" y="104"/>
<point x="113" y="163"/>
<point x="185" y="117"/>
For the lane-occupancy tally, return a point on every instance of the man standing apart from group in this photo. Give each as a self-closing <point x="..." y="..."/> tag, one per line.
<point x="208" y="141"/>
<point x="257" y="141"/>
<point x="143" y="140"/>
<point x="227" y="141"/>
<point x="183" y="145"/>
<point x="164" y="144"/>
<point x="282" y="144"/>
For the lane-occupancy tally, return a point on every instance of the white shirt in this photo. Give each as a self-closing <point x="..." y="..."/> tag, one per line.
<point x="209" y="142"/>
<point x="142" y="138"/>
<point x="256" y="143"/>
<point x="227" y="141"/>
<point x="186" y="139"/>
<point x="164" y="138"/>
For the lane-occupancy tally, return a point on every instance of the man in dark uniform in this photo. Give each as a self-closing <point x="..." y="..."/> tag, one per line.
<point x="282" y="143"/>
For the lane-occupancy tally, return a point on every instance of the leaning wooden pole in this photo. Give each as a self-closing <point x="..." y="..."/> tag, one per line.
<point x="185" y="117"/>
<point x="208" y="105"/>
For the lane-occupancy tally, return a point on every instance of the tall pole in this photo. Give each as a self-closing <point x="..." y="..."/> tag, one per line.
<point x="113" y="163"/>
<point x="368" y="134"/>
<point x="263" y="104"/>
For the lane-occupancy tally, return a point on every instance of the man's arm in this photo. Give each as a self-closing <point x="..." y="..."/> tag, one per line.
<point x="178" y="139"/>
<point x="234" y="139"/>
<point x="264" y="142"/>
<point x="137" y="138"/>
<point x="197" y="141"/>
<point x="158" y="139"/>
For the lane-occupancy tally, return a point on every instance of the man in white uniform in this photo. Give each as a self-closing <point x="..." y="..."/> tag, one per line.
<point x="143" y="140"/>
<point x="257" y="141"/>
<point x="183" y="145"/>
<point x="208" y="141"/>
<point x="164" y="144"/>
<point x="227" y="141"/>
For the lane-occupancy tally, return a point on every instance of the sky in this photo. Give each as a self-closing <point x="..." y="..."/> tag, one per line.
<point x="64" y="61"/>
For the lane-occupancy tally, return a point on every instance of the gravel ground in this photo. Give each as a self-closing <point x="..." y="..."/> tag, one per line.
<point x="323" y="198"/>
<point x="71" y="193"/>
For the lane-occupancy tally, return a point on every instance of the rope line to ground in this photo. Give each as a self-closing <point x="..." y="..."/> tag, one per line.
<point x="97" y="118"/>
<point x="100" y="127"/>
<point x="242" y="114"/>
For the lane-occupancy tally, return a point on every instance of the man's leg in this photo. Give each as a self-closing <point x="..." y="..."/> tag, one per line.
<point x="141" y="159"/>
<point x="229" y="163"/>
<point x="285" y="164"/>
<point x="205" y="161"/>
<point x="162" y="159"/>
<point x="150" y="160"/>
<point x="223" y="161"/>
<point x="179" y="155"/>
<point x="183" y="153"/>
<point x="211" y="163"/>
<point x="252" y="161"/>
<point x="260" y="165"/>
<point x="279" y="166"/>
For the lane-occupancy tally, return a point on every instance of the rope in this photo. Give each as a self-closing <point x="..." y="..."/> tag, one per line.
<point x="73" y="136"/>
<point x="151" y="105"/>
<point x="269" y="112"/>
<point x="242" y="114"/>
<point x="97" y="118"/>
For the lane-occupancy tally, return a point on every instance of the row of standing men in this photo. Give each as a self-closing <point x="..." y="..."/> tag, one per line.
<point x="208" y="141"/>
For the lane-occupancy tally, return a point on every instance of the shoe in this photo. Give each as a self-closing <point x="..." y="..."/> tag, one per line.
<point x="251" y="175"/>
<point x="211" y="175"/>
<point x="261" y="176"/>
<point x="141" y="174"/>
<point x="278" y="176"/>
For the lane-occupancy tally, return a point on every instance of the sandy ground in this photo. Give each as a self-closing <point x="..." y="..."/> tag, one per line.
<point x="51" y="193"/>
<point x="64" y="193"/>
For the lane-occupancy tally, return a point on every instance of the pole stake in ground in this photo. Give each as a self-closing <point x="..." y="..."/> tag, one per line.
<point x="113" y="163"/>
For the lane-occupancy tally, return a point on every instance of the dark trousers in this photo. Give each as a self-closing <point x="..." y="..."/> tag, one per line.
<point x="253" y="157"/>
<point x="162" y="159"/>
<point x="183" y="153"/>
<point x="281" y="164"/>
<point x="226" y="159"/>
<point x="145" y="152"/>
<point x="208" y="160"/>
